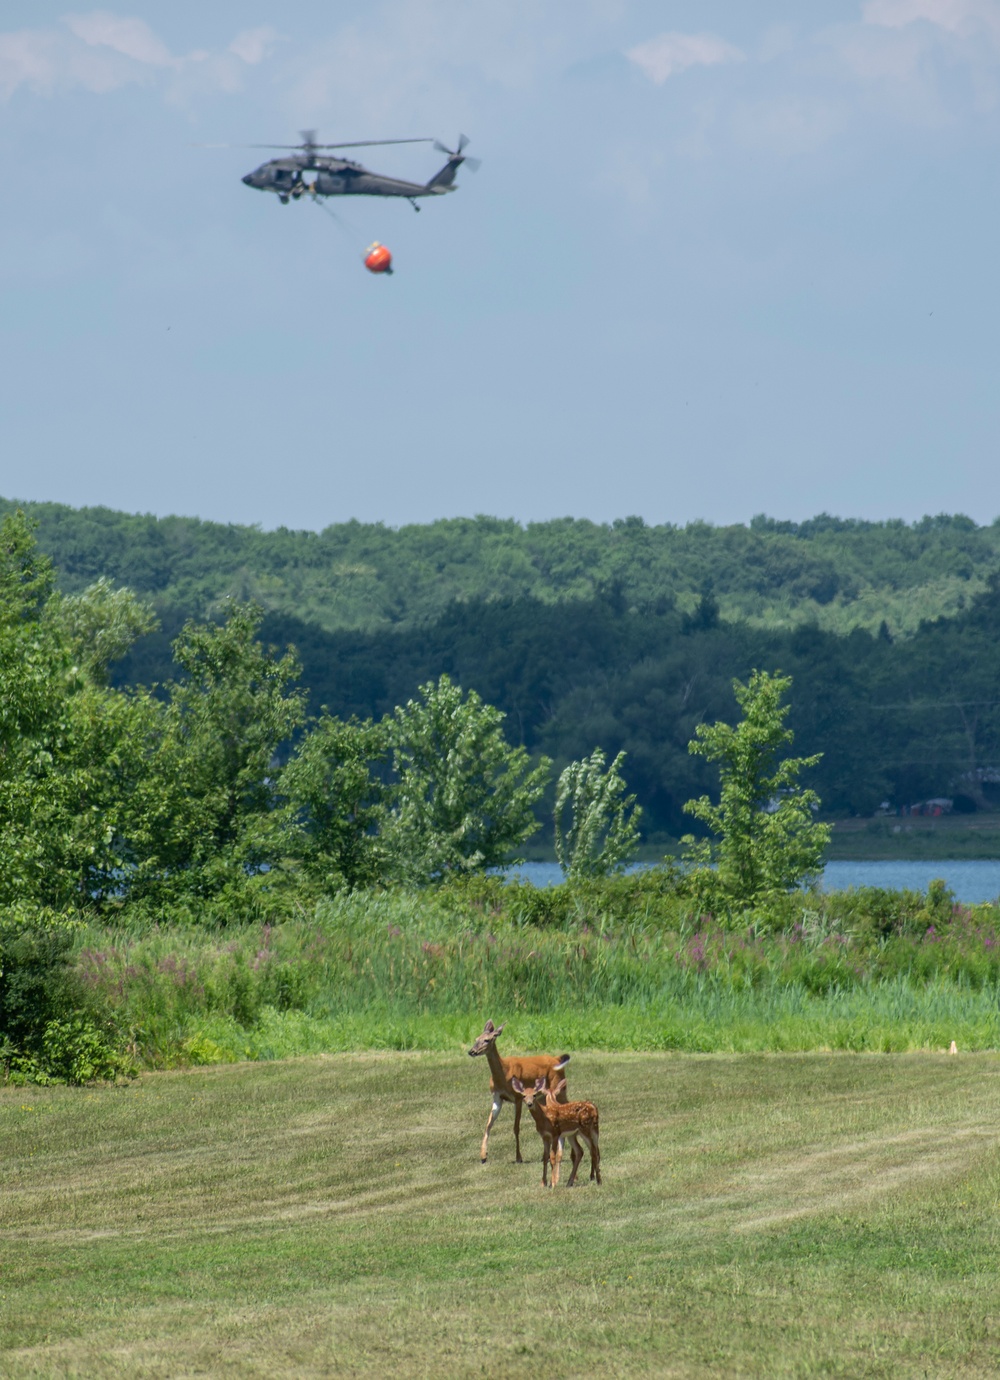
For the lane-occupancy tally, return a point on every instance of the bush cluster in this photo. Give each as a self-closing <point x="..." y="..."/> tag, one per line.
<point x="51" y="1028"/>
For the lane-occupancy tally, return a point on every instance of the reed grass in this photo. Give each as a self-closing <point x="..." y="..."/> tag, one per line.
<point x="415" y="971"/>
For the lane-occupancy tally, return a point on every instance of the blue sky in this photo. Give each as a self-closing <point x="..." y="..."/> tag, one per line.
<point x="720" y="259"/>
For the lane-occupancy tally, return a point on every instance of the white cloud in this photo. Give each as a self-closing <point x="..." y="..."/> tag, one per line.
<point x="666" y="54"/>
<point x="101" y="51"/>
<point x="252" y="46"/>
<point x="932" y="62"/>
<point x="955" y="16"/>
<point x="398" y="64"/>
<point x="133" y="38"/>
<point x="26" y="59"/>
<point x="47" y="60"/>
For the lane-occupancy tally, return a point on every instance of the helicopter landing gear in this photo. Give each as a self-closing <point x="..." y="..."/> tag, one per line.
<point x="413" y="203"/>
<point x="283" y="198"/>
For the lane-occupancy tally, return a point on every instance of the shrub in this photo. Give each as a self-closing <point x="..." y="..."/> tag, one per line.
<point x="37" y="981"/>
<point x="76" y="1051"/>
<point x="48" y="1031"/>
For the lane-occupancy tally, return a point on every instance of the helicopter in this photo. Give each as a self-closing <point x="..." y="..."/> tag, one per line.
<point x="335" y="176"/>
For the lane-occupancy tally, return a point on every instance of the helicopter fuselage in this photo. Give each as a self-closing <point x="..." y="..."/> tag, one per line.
<point x="291" y="178"/>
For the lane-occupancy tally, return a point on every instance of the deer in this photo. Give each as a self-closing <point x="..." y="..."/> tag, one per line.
<point x="557" y="1121"/>
<point x="503" y="1072"/>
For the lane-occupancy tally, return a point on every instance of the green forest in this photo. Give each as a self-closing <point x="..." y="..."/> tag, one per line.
<point x="227" y="832"/>
<point x="620" y="636"/>
<point x="828" y="572"/>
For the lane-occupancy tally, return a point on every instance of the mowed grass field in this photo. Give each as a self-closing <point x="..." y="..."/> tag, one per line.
<point x="785" y="1215"/>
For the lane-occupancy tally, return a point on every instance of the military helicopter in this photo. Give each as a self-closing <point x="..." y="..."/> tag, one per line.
<point x="341" y="177"/>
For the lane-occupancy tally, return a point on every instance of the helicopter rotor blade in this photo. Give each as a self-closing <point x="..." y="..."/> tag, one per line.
<point x="462" y="141"/>
<point x="370" y="143"/>
<point x="299" y="148"/>
<point x="244" y="146"/>
<point x="473" y="164"/>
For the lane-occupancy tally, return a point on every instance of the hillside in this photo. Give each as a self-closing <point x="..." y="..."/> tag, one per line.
<point x="615" y="635"/>
<point x="835" y="574"/>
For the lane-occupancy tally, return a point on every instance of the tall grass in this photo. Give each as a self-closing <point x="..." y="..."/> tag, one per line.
<point x="423" y="970"/>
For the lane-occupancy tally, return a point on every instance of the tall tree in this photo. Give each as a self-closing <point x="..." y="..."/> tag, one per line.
<point x="464" y="796"/>
<point x="336" y="785"/>
<point x="72" y="753"/>
<point x="768" y="839"/>
<point x="602" y="831"/>
<point x="210" y="816"/>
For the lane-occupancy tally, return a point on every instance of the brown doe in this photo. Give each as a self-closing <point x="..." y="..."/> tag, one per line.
<point x="525" y="1069"/>
<point x="556" y="1121"/>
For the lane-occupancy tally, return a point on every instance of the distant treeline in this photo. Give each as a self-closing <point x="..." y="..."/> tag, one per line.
<point x="610" y="635"/>
<point x="896" y="720"/>
<point x="837" y="574"/>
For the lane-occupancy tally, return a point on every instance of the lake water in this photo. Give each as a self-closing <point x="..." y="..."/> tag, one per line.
<point x="971" y="881"/>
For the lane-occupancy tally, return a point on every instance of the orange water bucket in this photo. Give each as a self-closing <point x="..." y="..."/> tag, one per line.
<point x="378" y="259"/>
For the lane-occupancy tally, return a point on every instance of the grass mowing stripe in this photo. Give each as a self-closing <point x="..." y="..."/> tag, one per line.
<point x="791" y="1215"/>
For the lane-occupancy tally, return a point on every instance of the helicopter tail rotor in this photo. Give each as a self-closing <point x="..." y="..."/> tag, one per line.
<point x="471" y="163"/>
<point x="452" y="153"/>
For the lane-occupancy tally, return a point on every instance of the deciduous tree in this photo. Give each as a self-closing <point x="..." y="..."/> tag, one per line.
<point x="602" y="830"/>
<point x="464" y="795"/>
<point x="210" y="815"/>
<point x="768" y="839"/>
<point x="337" y="786"/>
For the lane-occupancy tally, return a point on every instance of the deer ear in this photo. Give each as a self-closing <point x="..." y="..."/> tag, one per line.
<point x="560" y="1086"/>
<point x="539" y="1084"/>
<point x="499" y="1028"/>
<point x="487" y="1027"/>
<point x="517" y="1085"/>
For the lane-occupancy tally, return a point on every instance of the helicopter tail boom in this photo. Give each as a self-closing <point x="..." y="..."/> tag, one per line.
<point x="444" y="181"/>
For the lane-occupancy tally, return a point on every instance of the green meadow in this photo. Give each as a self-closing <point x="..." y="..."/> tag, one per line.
<point x="799" y="1180"/>
<point x="787" y="1215"/>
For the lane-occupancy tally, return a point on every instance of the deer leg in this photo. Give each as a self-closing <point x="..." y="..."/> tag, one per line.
<point x="556" y="1160"/>
<point x="576" y="1154"/>
<point x="494" y="1113"/>
<point x="518" y="1104"/>
<point x="546" y="1156"/>
<point x="595" y="1157"/>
